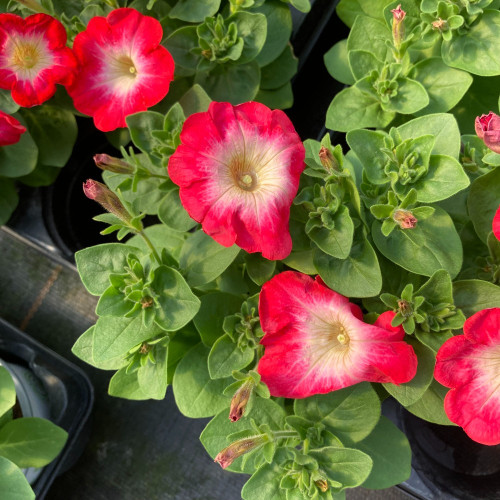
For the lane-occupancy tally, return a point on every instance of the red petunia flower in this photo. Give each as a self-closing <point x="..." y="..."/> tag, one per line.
<point x="123" y="67"/>
<point x="33" y="57"/>
<point x="470" y="365"/>
<point x="316" y="341"/>
<point x="496" y="224"/>
<point x="238" y="169"/>
<point x="10" y="129"/>
<point x="488" y="129"/>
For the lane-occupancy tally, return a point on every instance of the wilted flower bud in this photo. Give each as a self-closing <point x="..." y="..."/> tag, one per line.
<point x="327" y="159"/>
<point x="398" y="27"/>
<point x="116" y="165"/>
<point x="322" y="485"/>
<point x="488" y="129"/>
<point x="404" y="218"/>
<point x="440" y="24"/>
<point x="106" y="198"/>
<point x="240" y="400"/>
<point x="228" y="455"/>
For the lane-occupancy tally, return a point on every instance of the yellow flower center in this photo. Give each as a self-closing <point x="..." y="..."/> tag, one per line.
<point x="124" y="66"/>
<point x="25" y="55"/>
<point x="244" y="175"/>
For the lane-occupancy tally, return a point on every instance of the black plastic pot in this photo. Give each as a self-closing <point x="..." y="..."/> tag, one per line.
<point x="68" y="391"/>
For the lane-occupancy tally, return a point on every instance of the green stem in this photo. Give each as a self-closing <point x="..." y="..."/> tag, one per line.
<point x="158" y="176"/>
<point x="286" y="435"/>
<point x="151" y="246"/>
<point x="305" y="448"/>
<point x="34" y="6"/>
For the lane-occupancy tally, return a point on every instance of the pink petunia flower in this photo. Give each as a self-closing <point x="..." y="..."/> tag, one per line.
<point x="33" y="57"/>
<point x="238" y="169"/>
<point x="496" y="224"/>
<point x="470" y="365"/>
<point x="123" y="69"/>
<point x="10" y="129"/>
<point x="488" y="129"/>
<point x="316" y="341"/>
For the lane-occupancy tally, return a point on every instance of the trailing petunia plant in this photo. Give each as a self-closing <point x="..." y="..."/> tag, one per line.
<point x="286" y="288"/>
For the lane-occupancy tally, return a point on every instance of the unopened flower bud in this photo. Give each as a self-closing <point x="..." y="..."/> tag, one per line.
<point x="404" y="218"/>
<point x="228" y="455"/>
<point x="488" y="129"/>
<point x="116" y="165"/>
<point x="440" y="24"/>
<point x="106" y="198"/>
<point x="322" y="485"/>
<point x="398" y="27"/>
<point x="240" y="400"/>
<point x="327" y="159"/>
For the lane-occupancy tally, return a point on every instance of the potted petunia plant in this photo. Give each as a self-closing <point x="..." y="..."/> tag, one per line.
<point x="288" y="288"/>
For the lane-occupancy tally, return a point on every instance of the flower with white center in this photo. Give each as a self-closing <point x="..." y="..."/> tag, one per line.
<point x="238" y="169"/>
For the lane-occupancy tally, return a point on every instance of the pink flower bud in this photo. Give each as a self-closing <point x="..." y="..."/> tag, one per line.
<point x="228" y="455"/>
<point x="240" y="400"/>
<point x="327" y="159"/>
<point x="398" y="27"/>
<point x="116" y="165"/>
<point x="488" y="129"/>
<point x="10" y="129"/>
<point x="106" y="198"/>
<point x="404" y="218"/>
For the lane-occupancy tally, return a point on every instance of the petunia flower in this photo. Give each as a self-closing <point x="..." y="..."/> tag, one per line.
<point x="496" y="224"/>
<point x="488" y="129"/>
<point x="238" y="169"/>
<point x="123" y="69"/>
<point x="10" y="129"/>
<point x="316" y="341"/>
<point x="470" y="365"/>
<point x="33" y="57"/>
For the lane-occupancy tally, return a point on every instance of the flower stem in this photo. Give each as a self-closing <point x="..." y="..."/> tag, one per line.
<point x="305" y="448"/>
<point x="286" y="435"/>
<point x="151" y="246"/>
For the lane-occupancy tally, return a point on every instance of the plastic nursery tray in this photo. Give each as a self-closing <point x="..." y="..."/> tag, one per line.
<point x="69" y="392"/>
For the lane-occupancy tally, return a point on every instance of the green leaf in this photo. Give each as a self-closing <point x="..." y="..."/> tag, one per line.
<point x="31" y="441"/>
<point x="162" y="237"/>
<point x="210" y="318"/>
<point x="348" y="10"/>
<point x="178" y="303"/>
<point x="195" y="100"/>
<point x="350" y="413"/>
<point x="357" y="276"/>
<point x="215" y="435"/>
<point x="253" y="29"/>
<point x="413" y="390"/>
<point x="279" y="30"/>
<point x="346" y="466"/>
<point x="483" y="202"/>
<point x="7" y="391"/>
<point x="202" y="259"/>
<point x="473" y="296"/>
<point x="54" y="130"/>
<point x="337" y="63"/>
<point x="84" y="347"/>
<point x="362" y="63"/>
<point x="265" y="483"/>
<point x="259" y="269"/>
<point x="432" y="245"/>
<point x="351" y="109"/>
<point x="281" y="98"/>
<point x="433" y="340"/>
<point x="13" y="483"/>
<point x="410" y="98"/>
<point x="19" y="159"/>
<point x="444" y="178"/>
<point x="196" y="394"/>
<point x="302" y="261"/>
<point x="338" y="241"/>
<point x="114" y="336"/>
<point x="180" y="44"/>
<point x="225" y="356"/>
<point x="179" y="345"/>
<point x="430" y="406"/>
<point x="8" y="199"/>
<point x="477" y="50"/>
<point x="7" y="104"/>
<point x="280" y="71"/>
<point x="96" y="263"/>
<point x="442" y="126"/>
<point x="193" y="11"/>
<point x="43" y="175"/>
<point x="141" y="125"/>
<point x="152" y="378"/>
<point x="231" y="83"/>
<point x="126" y="385"/>
<point x="444" y="85"/>
<point x="371" y="35"/>
<point x="113" y="303"/>
<point x="390" y="451"/>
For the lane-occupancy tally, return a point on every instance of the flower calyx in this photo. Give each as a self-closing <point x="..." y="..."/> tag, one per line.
<point x="400" y="214"/>
<point x="442" y="17"/>
<point x="144" y="353"/>
<point x="244" y="327"/>
<point x="325" y="163"/>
